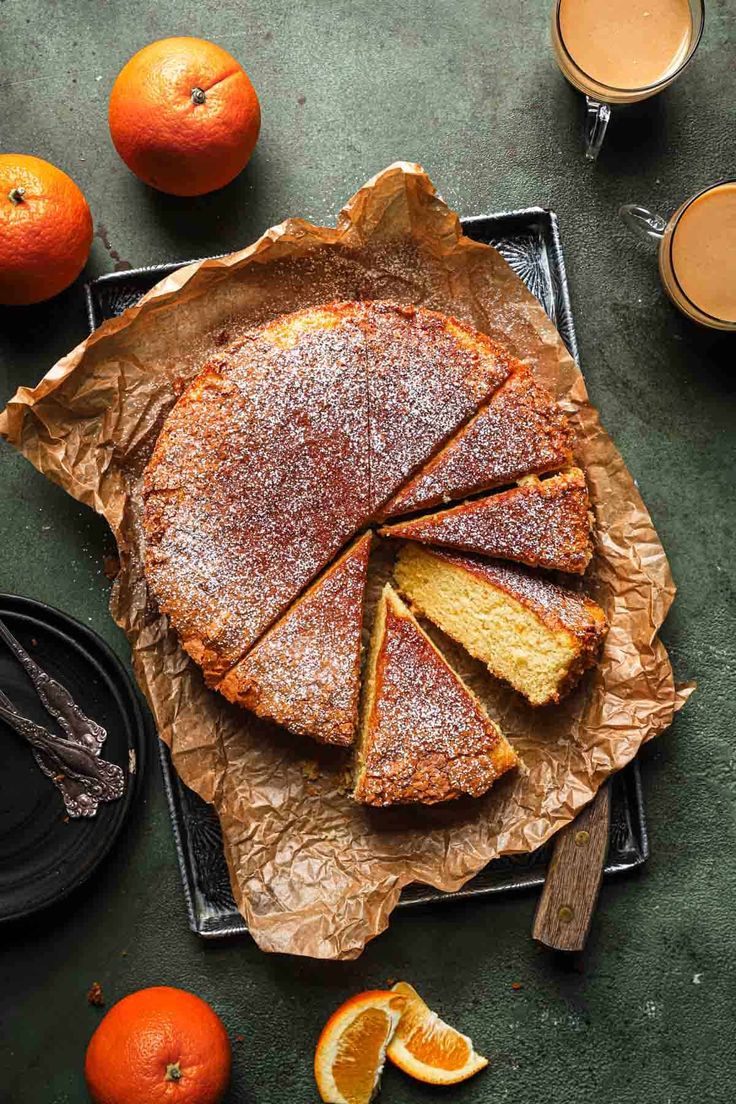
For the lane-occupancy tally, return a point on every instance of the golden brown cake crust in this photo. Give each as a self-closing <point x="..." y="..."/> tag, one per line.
<point x="542" y="523"/>
<point x="426" y="737"/>
<point x="284" y="446"/>
<point x="305" y="672"/>
<point x="521" y="431"/>
<point x="258" y="478"/>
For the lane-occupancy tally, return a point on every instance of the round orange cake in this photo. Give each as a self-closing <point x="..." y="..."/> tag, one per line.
<point x="305" y="432"/>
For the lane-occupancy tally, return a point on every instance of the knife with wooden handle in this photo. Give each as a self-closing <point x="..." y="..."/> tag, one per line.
<point x="568" y="899"/>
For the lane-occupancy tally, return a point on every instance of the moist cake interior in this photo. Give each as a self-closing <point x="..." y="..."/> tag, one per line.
<point x="528" y="631"/>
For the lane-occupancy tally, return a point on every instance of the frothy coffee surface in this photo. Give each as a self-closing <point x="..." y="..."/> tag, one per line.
<point x="626" y="44"/>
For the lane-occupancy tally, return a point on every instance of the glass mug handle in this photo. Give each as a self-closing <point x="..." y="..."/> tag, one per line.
<point x="643" y="223"/>
<point x="597" y="116"/>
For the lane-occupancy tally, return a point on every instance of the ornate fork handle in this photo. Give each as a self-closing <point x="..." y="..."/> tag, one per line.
<point x="56" y="699"/>
<point x="83" y="778"/>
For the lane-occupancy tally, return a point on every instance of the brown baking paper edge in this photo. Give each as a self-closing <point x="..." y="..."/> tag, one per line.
<point x="312" y="873"/>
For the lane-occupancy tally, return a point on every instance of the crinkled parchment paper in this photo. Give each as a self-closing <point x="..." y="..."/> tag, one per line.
<point x="313" y="873"/>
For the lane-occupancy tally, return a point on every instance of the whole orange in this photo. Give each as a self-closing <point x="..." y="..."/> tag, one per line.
<point x="45" y="229"/>
<point x="184" y="116"/>
<point x="158" y="1044"/>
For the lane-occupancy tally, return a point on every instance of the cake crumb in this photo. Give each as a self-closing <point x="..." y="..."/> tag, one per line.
<point x="95" y="995"/>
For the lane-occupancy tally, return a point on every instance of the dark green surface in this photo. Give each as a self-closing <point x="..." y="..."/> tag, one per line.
<point x="469" y="90"/>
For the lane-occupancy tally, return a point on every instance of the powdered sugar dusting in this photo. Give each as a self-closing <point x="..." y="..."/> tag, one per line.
<point x="267" y="459"/>
<point x="521" y="431"/>
<point x="543" y="523"/>
<point x="428" y="739"/>
<point x="426" y="378"/>
<point x="281" y="449"/>
<point x="305" y="672"/>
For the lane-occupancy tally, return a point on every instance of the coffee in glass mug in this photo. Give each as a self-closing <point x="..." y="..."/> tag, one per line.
<point x="622" y="51"/>
<point x="697" y="252"/>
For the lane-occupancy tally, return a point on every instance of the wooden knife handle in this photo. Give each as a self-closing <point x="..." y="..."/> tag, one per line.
<point x="570" y="892"/>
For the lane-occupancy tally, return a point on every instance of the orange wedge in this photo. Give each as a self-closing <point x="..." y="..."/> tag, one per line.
<point x="351" y="1050"/>
<point x="427" y="1048"/>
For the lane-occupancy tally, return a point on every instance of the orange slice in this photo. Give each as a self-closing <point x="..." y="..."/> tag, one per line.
<point x="427" y="1048"/>
<point x="351" y="1050"/>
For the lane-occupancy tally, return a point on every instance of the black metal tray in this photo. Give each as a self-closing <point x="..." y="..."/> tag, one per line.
<point x="529" y="240"/>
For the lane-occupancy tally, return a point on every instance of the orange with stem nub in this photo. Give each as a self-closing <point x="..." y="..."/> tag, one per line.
<point x="159" y="1044"/>
<point x="184" y="116"/>
<point x="45" y="229"/>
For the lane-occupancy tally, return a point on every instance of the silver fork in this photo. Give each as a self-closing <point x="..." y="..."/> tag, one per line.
<point x="56" y="699"/>
<point x="83" y="779"/>
<point x="71" y="761"/>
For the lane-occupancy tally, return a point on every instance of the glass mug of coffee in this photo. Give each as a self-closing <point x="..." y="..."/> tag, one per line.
<point x="697" y="253"/>
<point x="622" y="51"/>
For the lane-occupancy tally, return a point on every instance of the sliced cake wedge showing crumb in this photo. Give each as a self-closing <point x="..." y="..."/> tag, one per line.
<point x="425" y="737"/>
<point x="529" y="631"/>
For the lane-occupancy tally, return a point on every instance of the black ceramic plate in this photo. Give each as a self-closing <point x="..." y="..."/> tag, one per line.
<point x="529" y="241"/>
<point x="43" y="854"/>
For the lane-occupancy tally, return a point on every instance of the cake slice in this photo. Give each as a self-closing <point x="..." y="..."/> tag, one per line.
<point x="305" y="672"/>
<point x="536" y="635"/>
<point x="258" y="480"/>
<point x="521" y="431"/>
<point x="542" y="523"/>
<point x="424" y="737"/>
<point x="427" y="374"/>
